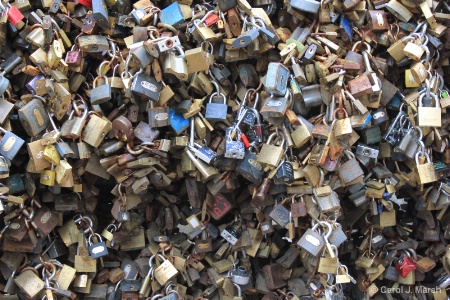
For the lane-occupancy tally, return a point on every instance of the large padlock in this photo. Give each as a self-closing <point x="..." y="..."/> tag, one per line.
<point x="10" y="144"/>
<point x="250" y="168"/>
<point x="233" y="148"/>
<point x="312" y="241"/>
<point x="97" y="249"/>
<point x="246" y="38"/>
<point x="34" y="117"/>
<point x="277" y="79"/>
<point x="426" y="171"/>
<point x="312" y="96"/>
<point x="198" y="59"/>
<point x="429" y="116"/>
<point x="100" y="94"/>
<point x="271" y="154"/>
<point x="100" y="12"/>
<point x="96" y="129"/>
<point x="349" y="170"/>
<point x="412" y="50"/>
<point x="275" y="107"/>
<point x="73" y="127"/>
<point x="216" y="111"/>
<point x="176" y="64"/>
<point x="146" y="87"/>
<point x="309" y="6"/>
<point x="172" y="14"/>
<point x="158" y="116"/>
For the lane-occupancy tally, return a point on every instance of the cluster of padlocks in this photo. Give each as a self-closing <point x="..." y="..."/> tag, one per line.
<point x="224" y="149"/>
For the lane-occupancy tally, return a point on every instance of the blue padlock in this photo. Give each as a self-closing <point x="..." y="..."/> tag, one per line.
<point x="177" y="121"/>
<point x="346" y="29"/>
<point x="395" y="102"/>
<point x="15" y="184"/>
<point x="172" y="14"/>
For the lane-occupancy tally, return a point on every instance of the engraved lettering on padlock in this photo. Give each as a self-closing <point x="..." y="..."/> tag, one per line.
<point x="14" y="226"/>
<point x="46" y="217"/>
<point x="149" y="86"/>
<point x="9" y="143"/>
<point x="98" y="249"/>
<point x="255" y="164"/>
<point x="313" y="240"/>
<point x="38" y="116"/>
<point x="162" y="116"/>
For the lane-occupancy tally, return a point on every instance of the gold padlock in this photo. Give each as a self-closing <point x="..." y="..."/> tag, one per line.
<point x="48" y="177"/>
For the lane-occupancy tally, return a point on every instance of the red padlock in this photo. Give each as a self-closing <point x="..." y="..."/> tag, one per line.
<point x="87" y="3"/>
<point x="211" y="19"/>
<point x="14" y="15"/>
<point x="405" y="265"/>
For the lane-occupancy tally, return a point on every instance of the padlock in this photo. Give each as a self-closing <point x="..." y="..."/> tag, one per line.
<point x="172" y="14"/>
<point x="95" y="130"/>
<point x="426" y="170"/>
<point x="271" y="154"/>
<point x="100" y="13"/>
<point x="250" y="168"/>
<point x="48" y="177"/>
<point x="233" y="149"/>
<point x="319" y="153"/>
<point x="280" y="215"/>
<point x="176" y="64"/>
<point x="34" y="117"/>
<point x="240" y="275"/>
<point x="405" y="265"/>
<point x="312" y="96"/>
<point x="309" y="6"/>
<point x="73" y="127"/>
<point x="245" y="38"/>
<point x="312" y="241"/>
<point x="276" y="79"/>
<point x="216" y="111"/>
<point x="198" y="59"/>
<point x="10" y="144"/>
<point x="343" y="126"/>
<point x="377" y="20"/>
<point x="285" y="172"/>
<point x="98" y="249"/>
<point x="100" y="94"/>
<point x="275" y="107"/>
<point x="349" y="170"/>
<point x="429" y="116"/>
<point x="146" y="87"/>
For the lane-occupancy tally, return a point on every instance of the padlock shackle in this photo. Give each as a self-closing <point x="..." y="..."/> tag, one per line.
<point x="94" y="84"/>
<point x="90" y="238"/>
<point x="435" y="97"/>
<point x="246" y="95"/>
<point x="219" y="94"/>
<point x="421" y="153"/>
<point x="339" y="109"/>
<point x="209" y="45"/>
<point x="356" y="47"/>
<point x="100" y="67"/>
<point x="276" y="134"/>
<point x="152" y="258"/>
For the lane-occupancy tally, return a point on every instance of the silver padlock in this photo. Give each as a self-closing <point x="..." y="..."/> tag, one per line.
<point x="240" y="275"/>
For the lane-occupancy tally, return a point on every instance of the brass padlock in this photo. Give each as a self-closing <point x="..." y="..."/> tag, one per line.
<point x="271" y="154"/>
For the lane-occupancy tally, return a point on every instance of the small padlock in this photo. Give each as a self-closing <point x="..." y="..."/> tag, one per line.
<point x="100" y="94"/>
<point x="98" y="249"/>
